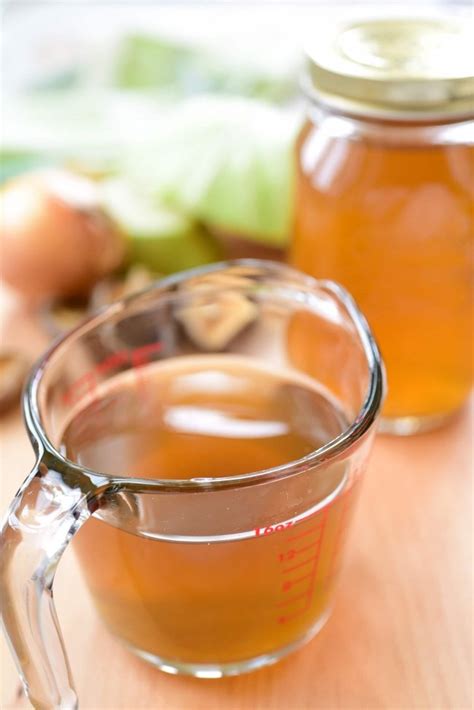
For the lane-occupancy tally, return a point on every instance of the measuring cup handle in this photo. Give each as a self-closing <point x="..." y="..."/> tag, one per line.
<point x="45" y="514"/>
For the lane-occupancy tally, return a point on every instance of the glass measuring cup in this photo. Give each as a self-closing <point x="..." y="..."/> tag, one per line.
<point x="264" y="546"/>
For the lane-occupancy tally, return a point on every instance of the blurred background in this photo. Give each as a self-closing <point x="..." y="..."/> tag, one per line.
<point x="163" y="134"/>
<point x="184" y="114"/>
<point x="190" y="107"/>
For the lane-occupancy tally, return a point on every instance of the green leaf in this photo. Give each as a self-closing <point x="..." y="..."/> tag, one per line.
<point x="149" y="62"/>
<point x="146" y="62"/>
<point x="159" y="238"/>
<point x="226" y="162"/>
<point x="15" y="163"/>
<point x="223" y="161"/>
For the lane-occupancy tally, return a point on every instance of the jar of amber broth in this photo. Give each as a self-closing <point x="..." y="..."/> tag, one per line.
<point x="384" y="200"/>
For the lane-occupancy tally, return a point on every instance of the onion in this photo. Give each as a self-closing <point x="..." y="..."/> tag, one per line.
<point x="55" y="240"/>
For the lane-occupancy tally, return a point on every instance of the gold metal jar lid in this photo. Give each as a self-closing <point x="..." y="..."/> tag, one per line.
<point x="402" y="68"/>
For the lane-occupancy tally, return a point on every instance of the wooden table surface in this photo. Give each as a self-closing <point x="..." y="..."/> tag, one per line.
<point x="400" y="634"/>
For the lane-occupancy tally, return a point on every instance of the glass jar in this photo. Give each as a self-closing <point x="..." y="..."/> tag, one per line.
<point x="384" y="201"/>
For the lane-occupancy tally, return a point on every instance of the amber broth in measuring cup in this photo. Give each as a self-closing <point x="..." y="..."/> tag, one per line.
<point x="210" y="416"/>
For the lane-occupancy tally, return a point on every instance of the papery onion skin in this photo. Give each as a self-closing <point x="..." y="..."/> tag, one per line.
<point x="55" y="240"/>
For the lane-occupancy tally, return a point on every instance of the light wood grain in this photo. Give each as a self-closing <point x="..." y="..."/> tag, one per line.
<point x="400" y="634"/>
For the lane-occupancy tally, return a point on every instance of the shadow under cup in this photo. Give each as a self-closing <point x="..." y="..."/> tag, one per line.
<point x="215" y="574"/>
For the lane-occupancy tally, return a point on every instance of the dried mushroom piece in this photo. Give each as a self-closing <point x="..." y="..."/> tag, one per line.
<point x="213" y="320"/>
<point x="57" y="317"/>
<point x="13" y="370"/>
<point x="60" y="316"/>
<point x="137" y="278"/>
<point x="237" y="277"/>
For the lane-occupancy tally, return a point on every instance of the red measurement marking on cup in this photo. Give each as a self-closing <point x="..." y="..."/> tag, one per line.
<point x="269" y="529"/>
<point x="306" y="532"/>
<point x="299" y="566"/>
<point x="88" y="382"/>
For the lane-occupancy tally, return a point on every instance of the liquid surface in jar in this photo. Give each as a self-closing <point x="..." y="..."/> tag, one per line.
<point x="205" y="602"/>
<point x="394" y="224"/>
